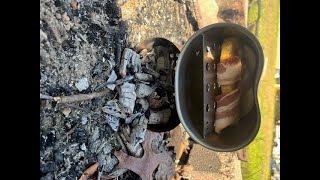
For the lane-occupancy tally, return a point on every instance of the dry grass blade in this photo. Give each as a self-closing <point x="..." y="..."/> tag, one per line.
<point x="89" y="172"/>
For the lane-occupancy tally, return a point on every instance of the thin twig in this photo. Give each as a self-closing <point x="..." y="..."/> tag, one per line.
<point x="75" y="98"/>
<point x="69" y="132"/>
<point x="115" y="95"/>
<point x="74" y="106"/>
<point x="117" y="82"/>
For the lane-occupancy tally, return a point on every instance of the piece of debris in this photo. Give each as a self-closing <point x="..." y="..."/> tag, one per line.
<point x="146" y="165"/>
<point x="143" y="77"/>
<point x="113" y="122"/>
<point x="75" y="4"/>
<point x="178" y="138"/>
<point x="112" y="108"/>
<point x="83" y="147"/>
<point x="65" y="18"/>
<point x="89" y="172"/>
<point x="242" y="154"/>
<point x="82" y="84"/>
<point x="66" y="111"/>
<point x="112" y="78"/>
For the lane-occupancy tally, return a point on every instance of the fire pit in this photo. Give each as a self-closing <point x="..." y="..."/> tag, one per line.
<point x="163" y="54"/>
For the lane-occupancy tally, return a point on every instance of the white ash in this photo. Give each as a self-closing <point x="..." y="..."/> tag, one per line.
<point x="94" y="142"/>
<point x="84" y="120"/>
<point x="43" y="36"/>
<point x="130" y="59"/>
<point x="126" y="55"/>
<point x="112" y="78"/>
<point x="160" y="117"/>
<point x="83" y="147"/>
<point x="44" y="55"/>
<point x="143" y="77"/>
<point x="113" y="122"/>
<point x="82" y="84"/>
<point x="127" y="97"/>
<point x="95" y="134"/>
<point x="136" y="62"/>
<point x="143" y="90"/>
<point x="113" y="108"/>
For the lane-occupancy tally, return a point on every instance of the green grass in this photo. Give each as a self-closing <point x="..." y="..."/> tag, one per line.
<point x="259" y="151"/>
<point x="253" y="13"/>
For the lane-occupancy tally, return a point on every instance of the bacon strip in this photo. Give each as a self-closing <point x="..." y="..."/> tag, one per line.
<point x="229" y="72"/>
<point x="227" y="111"/>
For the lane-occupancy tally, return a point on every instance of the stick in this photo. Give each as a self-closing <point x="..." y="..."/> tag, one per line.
<point x="75" y="98"/>
<point x="121" y="143"/>
<point x="117" y="82"/>
<point x="46" y="97"/>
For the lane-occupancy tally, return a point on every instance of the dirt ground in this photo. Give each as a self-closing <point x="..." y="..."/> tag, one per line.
<point x="80" y="43"/>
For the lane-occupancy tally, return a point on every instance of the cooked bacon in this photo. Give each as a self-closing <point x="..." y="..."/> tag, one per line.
<point x="227" y="112"/>
<point x="229" y="72"/>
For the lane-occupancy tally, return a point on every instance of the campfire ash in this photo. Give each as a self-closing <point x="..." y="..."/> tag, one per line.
<point x="152" y="73"/>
